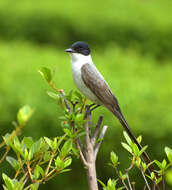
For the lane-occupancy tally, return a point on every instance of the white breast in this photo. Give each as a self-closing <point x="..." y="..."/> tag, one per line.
<point x="77" y="61"/>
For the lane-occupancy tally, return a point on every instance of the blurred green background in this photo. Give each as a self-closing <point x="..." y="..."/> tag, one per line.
<point x="131" y="43"/>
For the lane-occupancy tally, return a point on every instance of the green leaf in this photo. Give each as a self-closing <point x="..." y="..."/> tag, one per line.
<point x="53" y="95"/>
<point x="61" y="140"/>
<point x="158" y="164"/>
<point x="78" y="95"/>
<point x="68" y="132"/>
<point x="79" y="118"/>
<point x="144" y="166"/>
<point x="48" y="141"/>
<point x="129" y="141"/>
<point x="35" y="148"/>
<point x="8" y="182"/>
<point x="139" y="139"/>
<point x="59" y="163"/>
<point x="111" y="184"/>
<point x="7" y="138"/>
<point x="138" y="161"/>
<point x="101" y="182"/>
<point x="168" y="176"/>
<point x="121" y="188"/>
<point x="37" y="171"/>
<point x="114" y="158"/>
<point x="66" y="149"/>
<point x="5" y="188"/>
<point x="13" y="162"/>
<point x="135" y="149"/>
<point x="127" y="147"/>
<point x="158" y="180"/>
<point x="27" y="142"/>
<point x="65" y="170"/>
<point x="16" y="142"/>
<point x="69" y="96"/>
<point x="164" y="164"/>
<point x="35" y="186"/>
<point x="81" y="134"/>
<point x="25" y="155"/>
<point x="24" y="114"/>
<point x="168" y="152"/>
<point x="75" y="151"/>
<point x="46" y="74"/>
<point x="142" y="150"/>
<point x="47" y="156"/>
<point x="67" y="162"/>
<point x="54" y="144"/>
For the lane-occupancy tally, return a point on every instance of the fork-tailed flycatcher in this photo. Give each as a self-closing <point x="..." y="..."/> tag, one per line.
<point x="93" y="86"/>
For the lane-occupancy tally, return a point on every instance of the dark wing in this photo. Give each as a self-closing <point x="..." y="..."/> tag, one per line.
<point x="96" y="83"/>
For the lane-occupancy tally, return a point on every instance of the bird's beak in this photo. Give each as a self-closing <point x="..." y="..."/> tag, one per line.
<point x="69" y="50"/>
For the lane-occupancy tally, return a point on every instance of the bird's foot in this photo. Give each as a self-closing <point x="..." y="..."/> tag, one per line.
<point x="91" y="108"/>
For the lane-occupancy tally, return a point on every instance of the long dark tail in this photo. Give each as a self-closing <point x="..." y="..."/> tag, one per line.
<point x="126" y="127"/>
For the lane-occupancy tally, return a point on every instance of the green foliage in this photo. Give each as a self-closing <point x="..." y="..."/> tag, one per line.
<point x="134" y="98"/>
<point x="156" y="176"/>
<point x="46" y="74"/>
<point x="24" y="114"/>
<point x="168" y="152"/>
<point x="35" y="161"/>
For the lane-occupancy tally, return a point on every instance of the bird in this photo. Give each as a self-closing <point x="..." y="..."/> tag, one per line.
<point x="93" y="86"/>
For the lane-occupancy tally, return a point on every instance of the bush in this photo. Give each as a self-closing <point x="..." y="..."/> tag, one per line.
<point x="141" y="85"/>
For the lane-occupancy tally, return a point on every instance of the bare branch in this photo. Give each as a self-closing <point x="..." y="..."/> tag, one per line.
<point x="87" y="125"/>
<point x="78" y="144"/>
<point x="89" y="154"/>
<point x="146" y="182"/>
<point x="102" y="134"/>
<point x="129" y="183"/>
<point x="65" y="100"/>
<point x="123" y="182"/>
<point x="83" y="159"/>
<point x="163" y="182"/>
<point x="96" y="131"/>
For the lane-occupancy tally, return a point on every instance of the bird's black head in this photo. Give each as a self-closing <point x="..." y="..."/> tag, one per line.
<point x="79" y="47"/>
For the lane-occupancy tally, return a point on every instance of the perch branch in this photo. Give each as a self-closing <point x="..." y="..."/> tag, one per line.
<point x="96" y="131"/>
<point x="102" y="134"/>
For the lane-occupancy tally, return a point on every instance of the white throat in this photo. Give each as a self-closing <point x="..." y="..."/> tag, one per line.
<point x="78" y="60"/>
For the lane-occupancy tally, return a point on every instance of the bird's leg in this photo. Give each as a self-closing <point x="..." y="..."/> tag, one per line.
<point x="91" y="105"/>
<point x="94" y="107"/>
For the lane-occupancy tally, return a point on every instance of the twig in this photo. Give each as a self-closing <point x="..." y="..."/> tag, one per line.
<point x="61" y="91"/>
<point x="65" y="100"/>
<point x="89" y="153"/>
<point x="29" y="170"/>
<point x="146" y="182"/>
<point x="154" y="184"/>
<point x="49" y="164"/>
<point x="116" y="170"/>
<point x="5" y="154"/>
<point x="99" y="143"/>
<point x="133" y="185"/>
<point x="163" y="182"/>
<point x="144" y="187"/>
<point x="127" y="170"/>
<point x="128" y="179"/>
<point x="81" y="153"/>
<point x="96" y="131"/>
